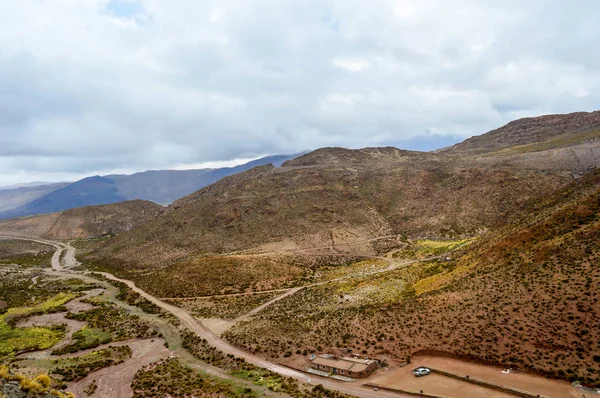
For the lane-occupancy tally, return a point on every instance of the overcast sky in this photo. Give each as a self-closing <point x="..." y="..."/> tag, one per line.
<point x="98" y="86"/>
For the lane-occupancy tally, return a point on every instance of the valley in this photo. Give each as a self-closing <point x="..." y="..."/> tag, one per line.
<point x="478" y="261"/>
<point x="143" y="354"/>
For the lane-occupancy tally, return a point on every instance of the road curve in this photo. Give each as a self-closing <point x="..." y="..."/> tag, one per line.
<point x="57" y="245"/>
<point x="352" y="388"/>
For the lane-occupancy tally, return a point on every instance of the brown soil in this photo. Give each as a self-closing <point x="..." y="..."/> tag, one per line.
<point x="217" y="326"/>
<point x="402" y="378"/>
<point x="519" y="380"/>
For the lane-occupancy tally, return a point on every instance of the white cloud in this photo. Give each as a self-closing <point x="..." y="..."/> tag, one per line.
<point x="91" y="86"/>
<point x="349" y="65"/>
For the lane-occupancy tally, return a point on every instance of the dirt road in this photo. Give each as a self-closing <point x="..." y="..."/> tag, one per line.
<point x="57" y="245"/>
<point x="352" y="388"/>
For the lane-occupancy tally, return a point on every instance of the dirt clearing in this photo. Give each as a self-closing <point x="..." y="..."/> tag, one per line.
<point x="403" y="378"/>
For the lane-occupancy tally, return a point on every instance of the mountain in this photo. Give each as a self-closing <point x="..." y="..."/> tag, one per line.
<point x="27" y="185"/>
<point x="83" y="222"/>
<point x="336" y="195"/>
<point x="166" y="186"/>
<point x="13" y="197"/>
<point x="521" y="204"/>
<point x="86" y="192"/>
<point x="162" y="187"/>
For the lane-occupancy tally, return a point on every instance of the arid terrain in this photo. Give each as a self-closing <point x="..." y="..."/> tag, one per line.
<point x="479" y="261"/>
<point x="83" y="222"/>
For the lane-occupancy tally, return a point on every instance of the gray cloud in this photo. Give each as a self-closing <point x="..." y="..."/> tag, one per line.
<point x="94" y="86"/>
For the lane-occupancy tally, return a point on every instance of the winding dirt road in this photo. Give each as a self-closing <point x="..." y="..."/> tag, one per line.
<point x="352" y="388"/>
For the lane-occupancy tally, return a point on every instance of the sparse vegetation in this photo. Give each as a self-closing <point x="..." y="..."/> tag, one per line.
<point x="428" y="248"/>
<point x="525" y="296"/>
<point x="76" y="368"/>
<point x="112" y="320"/>
<point x="25" y="253"/>
<point x="170" y="378"/>
<point x="85" y="338"/>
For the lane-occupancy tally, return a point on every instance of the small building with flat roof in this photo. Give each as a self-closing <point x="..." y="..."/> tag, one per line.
<point x="345" y="366"/>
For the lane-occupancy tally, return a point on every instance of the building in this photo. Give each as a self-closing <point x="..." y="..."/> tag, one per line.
<point x="344" y="366"/>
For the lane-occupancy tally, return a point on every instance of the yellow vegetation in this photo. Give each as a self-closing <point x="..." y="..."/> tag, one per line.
<point x="17" y="339"/>
<point x="40" y="385"/>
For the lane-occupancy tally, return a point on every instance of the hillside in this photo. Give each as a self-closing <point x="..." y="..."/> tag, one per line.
<point x="552" y="130"/>
<point x="524" y="296"/>
<point x="83" y="222"/>
<point x="294" y="207"/>
<point x="158" y="186"/>
<point x="166" y="186"/>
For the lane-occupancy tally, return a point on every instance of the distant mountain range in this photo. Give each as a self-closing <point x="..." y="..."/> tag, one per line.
<point x="160" y="186"/>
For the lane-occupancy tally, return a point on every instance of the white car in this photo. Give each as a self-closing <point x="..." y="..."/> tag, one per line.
<point x="418" y="372"/>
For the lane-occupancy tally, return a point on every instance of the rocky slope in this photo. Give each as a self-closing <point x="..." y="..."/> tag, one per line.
<point x="561" y="130"/>
<point x="296" y="207"/>
<point x="335" y="195"/>
<point x="84" y="222"/>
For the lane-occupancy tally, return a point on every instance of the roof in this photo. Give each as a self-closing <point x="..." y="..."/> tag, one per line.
<point x="345" y="363"/>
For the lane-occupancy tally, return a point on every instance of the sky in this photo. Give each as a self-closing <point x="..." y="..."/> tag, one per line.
<point x="102" y="86"/>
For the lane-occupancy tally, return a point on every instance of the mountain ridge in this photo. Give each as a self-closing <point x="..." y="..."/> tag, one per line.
<point x="159" y="186"/>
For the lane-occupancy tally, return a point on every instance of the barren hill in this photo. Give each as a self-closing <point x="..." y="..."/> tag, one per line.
<point x="292" y="207"/>
<point x="571" y="128"/>
<point x="83" y="222"/>
<point x="335" y="195"/>
<point x="343" y="156"/>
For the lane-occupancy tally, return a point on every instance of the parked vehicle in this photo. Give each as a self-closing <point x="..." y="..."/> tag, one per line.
<point x="418" y="372"/>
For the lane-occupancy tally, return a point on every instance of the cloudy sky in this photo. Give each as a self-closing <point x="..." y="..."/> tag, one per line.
<point x="98" y="86"/>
